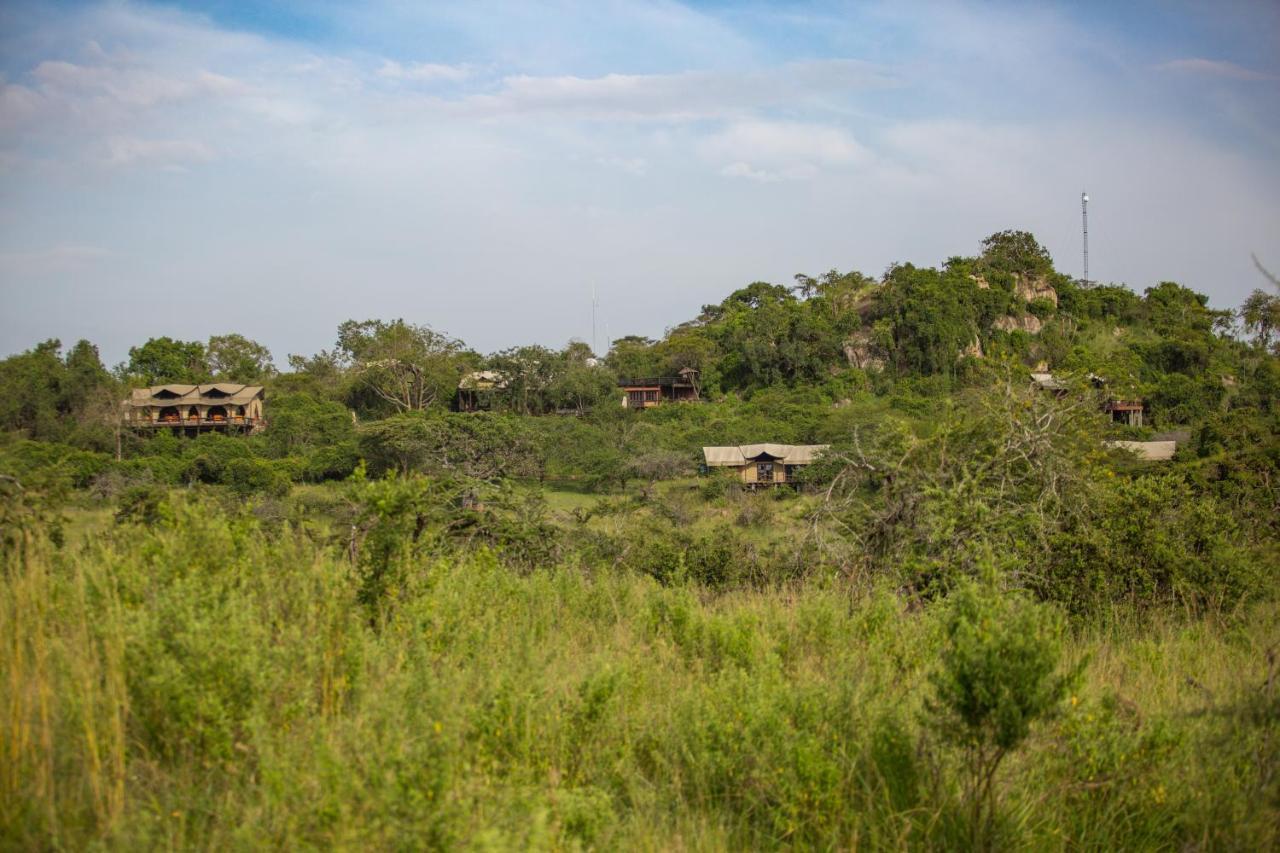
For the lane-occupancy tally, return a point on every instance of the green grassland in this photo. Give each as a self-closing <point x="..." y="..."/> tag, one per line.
<point x="214" y="681"/>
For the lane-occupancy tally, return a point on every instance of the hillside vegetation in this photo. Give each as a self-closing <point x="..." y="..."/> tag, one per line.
<point x="384" y="623"/>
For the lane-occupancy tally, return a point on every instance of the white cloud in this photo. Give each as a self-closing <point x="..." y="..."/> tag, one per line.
<point x="631" y="165"/>
<point x="744" y="170"/>
<point x="686" y="96"/>
<point x="127" y="150"/>
<point x="424" y="72"/>
<point x="131" y="86"/>
<point x="771" y="151"/>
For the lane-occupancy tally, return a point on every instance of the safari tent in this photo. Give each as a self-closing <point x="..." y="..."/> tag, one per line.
<point x="763" y="464"/>
<point x="221" y="406"/>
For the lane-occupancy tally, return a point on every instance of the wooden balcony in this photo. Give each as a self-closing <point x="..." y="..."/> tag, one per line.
<point x="199" y="423"/>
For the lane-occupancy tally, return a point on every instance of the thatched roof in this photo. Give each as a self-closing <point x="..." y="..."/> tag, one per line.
<point x="739" y="455"/>
<point x="211" y="394"/>
<point x="482" y="379"/>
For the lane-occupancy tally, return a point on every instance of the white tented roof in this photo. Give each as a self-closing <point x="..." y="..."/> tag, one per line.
<point x="1150" y="451"/>
<point x="737" y="455"/>
<point x="1048" y="382"/>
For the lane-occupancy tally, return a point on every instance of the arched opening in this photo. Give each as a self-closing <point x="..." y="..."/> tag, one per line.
<point x="169" y="415"/>
<point x="217" y="414"/>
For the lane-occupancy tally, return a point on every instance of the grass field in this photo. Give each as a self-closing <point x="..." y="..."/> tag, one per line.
<point x="206" y="683"/>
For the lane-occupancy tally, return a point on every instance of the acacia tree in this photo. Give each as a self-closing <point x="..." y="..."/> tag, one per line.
<point x="404" y="365"/>
<point x="165" y="359"/>
<point x="1015" y="252"/>
<point x="1003" y="471"/>
<point x="529" y="372"/>
<point x="1260" y="312"/>
<point x="238" y="359"/>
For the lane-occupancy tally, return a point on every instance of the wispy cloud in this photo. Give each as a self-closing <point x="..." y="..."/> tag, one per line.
<point x="684" y="96"/>
<point x="770" y="151"/>
<point x="424" y="72"/>
<point x="53" y="259"/>
<point x="1214" y="68"/>
<point x="130" y="150"/>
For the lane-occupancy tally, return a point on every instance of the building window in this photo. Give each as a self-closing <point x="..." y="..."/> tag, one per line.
<point x="651" y="396"/>
<point x="635" y="398"/>
<point x="764" y="472"/>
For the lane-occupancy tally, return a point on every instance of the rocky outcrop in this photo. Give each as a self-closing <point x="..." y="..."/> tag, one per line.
<point x="973" y="350"/>
<point x="861" y="352"/>
<point x="1028" y="323"/>
<point x="1032" y="289"/>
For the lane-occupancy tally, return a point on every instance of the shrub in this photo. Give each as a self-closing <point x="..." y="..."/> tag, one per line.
<point x="997" y="676"/>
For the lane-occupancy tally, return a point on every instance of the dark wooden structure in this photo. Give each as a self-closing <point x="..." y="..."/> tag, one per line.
<point x="644" y="393"/>
<point x="1125" y="411"/>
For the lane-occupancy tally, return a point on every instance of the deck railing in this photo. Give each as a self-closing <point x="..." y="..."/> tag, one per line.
<point x="629" y="382"/>
<point x="233" y="420"/>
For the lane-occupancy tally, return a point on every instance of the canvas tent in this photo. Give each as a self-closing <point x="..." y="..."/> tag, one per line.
<point x="215" y="405"/>
<point x="763" y="464"/>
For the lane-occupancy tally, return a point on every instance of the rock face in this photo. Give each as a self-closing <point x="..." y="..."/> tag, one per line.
<point x="973" y="350"/>
<point x="1028" y="323"/>
<point x="862" y="353"/>
<point x="1031" y="289"/>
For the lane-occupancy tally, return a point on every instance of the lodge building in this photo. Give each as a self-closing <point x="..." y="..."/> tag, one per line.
<point x="189" y="409"/>
<point x="763" y="464"/>
<point x="645" y="393"/>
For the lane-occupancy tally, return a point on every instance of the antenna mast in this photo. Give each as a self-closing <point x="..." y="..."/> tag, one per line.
<point x="1084" y="221"/>
<point x="595" y="304"/>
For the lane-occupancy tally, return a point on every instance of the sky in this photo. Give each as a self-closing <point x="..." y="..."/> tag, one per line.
<point x="273" y="169"/>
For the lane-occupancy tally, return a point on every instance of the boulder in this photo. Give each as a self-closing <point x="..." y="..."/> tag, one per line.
<point x="1028" y="323"/>
<point x="1032" y="289"/>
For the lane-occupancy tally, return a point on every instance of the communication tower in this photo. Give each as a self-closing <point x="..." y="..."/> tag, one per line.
<point x="1084" y="222"/>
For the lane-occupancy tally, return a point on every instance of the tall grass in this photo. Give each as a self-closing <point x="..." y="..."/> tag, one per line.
<point x="207" y="684"/>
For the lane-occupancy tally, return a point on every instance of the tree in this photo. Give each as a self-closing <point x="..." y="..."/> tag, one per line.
<point x="634" y="356"/>
<point x="301" y="423"/>
<point x="1260" y="314"/>
<point x="237" y="359"/>
<point x="164" y="360"/>
<point x="934" y="317"/>
<point x="998" y="675"/>
<point x="405" y="366"/>
<point x="581" y="386"/>
<point x="1015" y="252"/>
<point x="321" y="375"/>
<point x="30" y="391"/>
<point x="529" y="372"/>
<point x="1004" y="471"/>
<point x="480" y="446"/>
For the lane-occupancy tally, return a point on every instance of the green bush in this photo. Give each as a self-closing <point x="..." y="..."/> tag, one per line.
<point x="998" y="676"/>
<point x="1148" y="542"/>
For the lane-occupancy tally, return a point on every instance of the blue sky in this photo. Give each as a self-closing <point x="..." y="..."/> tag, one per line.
<point x="274" y="169"/>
